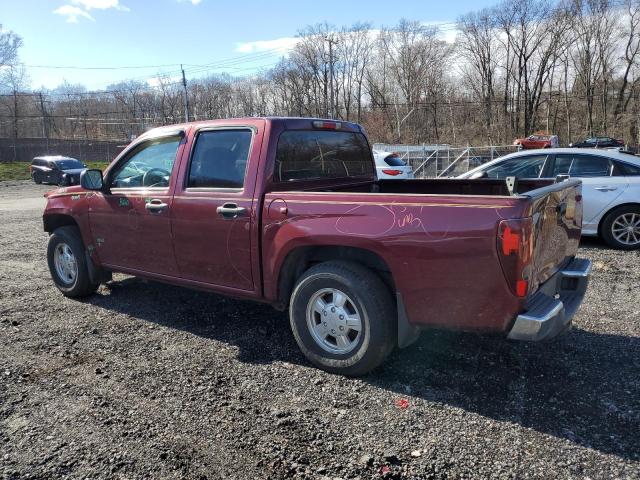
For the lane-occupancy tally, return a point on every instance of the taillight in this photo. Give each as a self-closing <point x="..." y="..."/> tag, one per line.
<point x="324" y="125"/>
<point x="515" y="250"/>
<point x="392" y="172"/>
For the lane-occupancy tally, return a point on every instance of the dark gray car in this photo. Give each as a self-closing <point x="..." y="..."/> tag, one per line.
<point x="57" y="170"/>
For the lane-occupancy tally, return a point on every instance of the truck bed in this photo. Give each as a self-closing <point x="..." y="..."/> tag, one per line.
<point x="437" y="237"/>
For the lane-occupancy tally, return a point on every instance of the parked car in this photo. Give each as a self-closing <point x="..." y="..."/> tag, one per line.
<point x="538" y="141"/>
<point x="57" y="170"/>
<point x="389" y="166"/>
<point x="598" y="142"/>
<point x="289" y="212"/>
<point x="610" y="186"/>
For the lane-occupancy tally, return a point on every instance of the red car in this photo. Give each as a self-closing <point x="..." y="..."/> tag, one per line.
<point x="289" y="212"/>
<point x="538" y="141"/>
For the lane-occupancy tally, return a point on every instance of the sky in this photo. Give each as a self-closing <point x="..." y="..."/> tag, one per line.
<point x="207" y="36"/>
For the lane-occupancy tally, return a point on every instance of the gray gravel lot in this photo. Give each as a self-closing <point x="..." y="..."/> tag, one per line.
<point x="145" y="380"/>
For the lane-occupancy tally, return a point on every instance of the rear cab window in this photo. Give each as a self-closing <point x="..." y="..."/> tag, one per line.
<point x="305" y="155"/>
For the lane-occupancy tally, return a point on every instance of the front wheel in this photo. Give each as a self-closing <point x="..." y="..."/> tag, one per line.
<point x="621" y="228"/>
<point x="68" y="264"/>
<point x="343" y="318"/>
<point x="37" y="179"/>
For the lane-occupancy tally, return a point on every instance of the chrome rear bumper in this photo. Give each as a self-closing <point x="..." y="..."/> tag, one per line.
<point x="550" y="310"/>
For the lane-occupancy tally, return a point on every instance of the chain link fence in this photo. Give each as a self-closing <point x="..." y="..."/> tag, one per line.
<point x="432" y="161"/>
<point x="24" y="149"/>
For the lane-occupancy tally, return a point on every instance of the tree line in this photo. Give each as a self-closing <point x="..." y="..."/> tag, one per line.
<point x="569" y="68"/>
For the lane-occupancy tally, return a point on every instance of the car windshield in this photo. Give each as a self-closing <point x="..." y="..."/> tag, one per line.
<point x="69" y="164"/>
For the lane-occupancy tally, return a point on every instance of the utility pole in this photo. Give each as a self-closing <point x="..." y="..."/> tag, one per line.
<point x="332" y="112"/>
<point x="15" y="125"/>
<point x="45" y="130"/>
<point x="186" y="97"/>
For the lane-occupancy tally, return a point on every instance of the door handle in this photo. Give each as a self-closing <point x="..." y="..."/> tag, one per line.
<point x="231" y="210"/>
<point x="155" y="205"/>
<point x="606" y="188"/>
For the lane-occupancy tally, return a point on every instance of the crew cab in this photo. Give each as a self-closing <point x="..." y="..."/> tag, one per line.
<point x="288" y="211"/>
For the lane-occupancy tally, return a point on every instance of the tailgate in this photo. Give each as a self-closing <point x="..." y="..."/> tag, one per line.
<point x="556" y="213"/>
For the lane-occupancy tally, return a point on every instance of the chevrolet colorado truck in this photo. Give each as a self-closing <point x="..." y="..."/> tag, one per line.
<point x="289" y="212"/>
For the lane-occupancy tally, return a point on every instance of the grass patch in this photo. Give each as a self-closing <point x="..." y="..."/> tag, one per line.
<point x="20" y="170"/>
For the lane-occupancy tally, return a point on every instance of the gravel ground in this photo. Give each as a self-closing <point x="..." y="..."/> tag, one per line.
<point x="145" y="380"/>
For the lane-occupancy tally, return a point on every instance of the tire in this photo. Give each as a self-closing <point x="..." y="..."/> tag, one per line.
<point x="66" y="244"/>
<point x="613" y="227"/>
<point x="37" y="179"/>
<point x="351" y="352"/>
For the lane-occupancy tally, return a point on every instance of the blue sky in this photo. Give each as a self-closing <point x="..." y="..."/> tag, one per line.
<point x="138" y="33"/>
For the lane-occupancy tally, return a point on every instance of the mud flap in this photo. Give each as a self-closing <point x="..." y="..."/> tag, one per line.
<point x="96" y="275"/>
<point x="407" y="333"/>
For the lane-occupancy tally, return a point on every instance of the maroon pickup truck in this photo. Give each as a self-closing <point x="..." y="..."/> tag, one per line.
<point x="289" y="212"/>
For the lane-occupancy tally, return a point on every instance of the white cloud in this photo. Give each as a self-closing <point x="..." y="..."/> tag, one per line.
<point x="283" y="45"/>
<point x="100" y="4"/>
<point x="80" y="8"/>
<point x="192" y="2"/>
<point x="72" y="13"/>
<point x="155" y="82"/>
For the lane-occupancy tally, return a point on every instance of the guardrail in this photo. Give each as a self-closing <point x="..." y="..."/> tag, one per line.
<point x="432" y="161"/>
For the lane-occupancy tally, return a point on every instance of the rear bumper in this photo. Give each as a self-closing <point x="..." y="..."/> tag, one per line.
<point x="550" y="310"/>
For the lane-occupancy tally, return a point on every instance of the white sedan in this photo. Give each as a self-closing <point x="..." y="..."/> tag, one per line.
<point x="610" y="186"/>
<point x="389" y="166"/>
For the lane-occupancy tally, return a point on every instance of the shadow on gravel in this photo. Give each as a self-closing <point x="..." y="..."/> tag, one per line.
<point x="583" y="387"/>
<point x="594" y="242"/>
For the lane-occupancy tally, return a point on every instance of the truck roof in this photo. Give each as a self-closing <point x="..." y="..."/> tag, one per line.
<point x="285" y="122"/>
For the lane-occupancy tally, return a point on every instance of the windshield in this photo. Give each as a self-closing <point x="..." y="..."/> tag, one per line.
<point x="69" y="164"/>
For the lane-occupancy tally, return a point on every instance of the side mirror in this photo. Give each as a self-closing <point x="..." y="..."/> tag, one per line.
<point x="92" y="179"/>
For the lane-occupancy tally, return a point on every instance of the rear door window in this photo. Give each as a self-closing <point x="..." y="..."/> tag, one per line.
<point x="577" y="165"/>
<point x="219" y="159"/>
<point x="625" y="169"/>
<point x="317" y="154"/>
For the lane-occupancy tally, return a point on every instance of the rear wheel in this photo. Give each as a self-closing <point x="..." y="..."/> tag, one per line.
<point x="68" y="264"/>
<point x="621" y="228"/>
<point x="343" y="318"/>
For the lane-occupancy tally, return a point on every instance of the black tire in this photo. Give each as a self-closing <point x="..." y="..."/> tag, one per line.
<point x="81" y="285"/>
<point x="374" y="304"/>
<point x="37" y="179"/>
<point x="606" y="231"/>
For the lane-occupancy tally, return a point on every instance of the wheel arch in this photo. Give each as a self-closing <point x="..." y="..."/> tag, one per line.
<point x="52" y="221"/>
<point x="300" y="259"/>
<point x="605" y="214"/>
